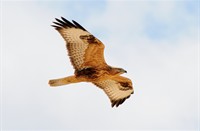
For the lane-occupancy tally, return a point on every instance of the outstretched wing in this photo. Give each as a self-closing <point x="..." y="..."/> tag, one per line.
<point x="83" y="48"/>
<point x="118" y="89"/>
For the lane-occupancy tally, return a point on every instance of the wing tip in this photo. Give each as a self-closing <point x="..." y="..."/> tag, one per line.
<point x="119" y="102"/>
<point x="64" y="23"/>
<point x="78" y="25"/>
<point x="56" y="27"/>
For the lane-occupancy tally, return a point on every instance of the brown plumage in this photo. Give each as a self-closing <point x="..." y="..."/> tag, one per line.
<point x="86" y="54"/>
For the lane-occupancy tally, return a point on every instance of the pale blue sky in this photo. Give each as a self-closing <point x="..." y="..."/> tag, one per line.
<point x="156" y="42"/>
<point x="155" y="27"/>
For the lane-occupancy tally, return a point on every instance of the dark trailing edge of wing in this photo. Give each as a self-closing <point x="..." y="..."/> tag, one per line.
<point x="64" y="23"/>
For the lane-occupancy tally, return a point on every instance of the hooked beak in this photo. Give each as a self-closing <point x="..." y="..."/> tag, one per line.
<point x="124" y="71"/>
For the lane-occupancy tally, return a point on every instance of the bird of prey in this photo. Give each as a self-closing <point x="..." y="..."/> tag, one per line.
<point x="86" y="54"/>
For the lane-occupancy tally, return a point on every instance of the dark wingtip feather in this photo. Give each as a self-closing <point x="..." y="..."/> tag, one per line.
<point x="56" y="27"/>
<point x="78" y="25"/>
<point x="113" y="103"/>
<point x="68" y="22"/>
<point x="64" y="23"/>
<point x="56" y="23"/>
<point x="119" y="102"/>
<point x="60" y="22"/>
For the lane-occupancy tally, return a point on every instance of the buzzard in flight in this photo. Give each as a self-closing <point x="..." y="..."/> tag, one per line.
<point x="86" y="54"/>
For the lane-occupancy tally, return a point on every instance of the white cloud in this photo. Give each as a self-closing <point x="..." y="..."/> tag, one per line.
<point x="164" y="71"/>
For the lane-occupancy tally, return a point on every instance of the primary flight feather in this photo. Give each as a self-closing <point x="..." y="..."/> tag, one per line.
<point x="86" y="54"/>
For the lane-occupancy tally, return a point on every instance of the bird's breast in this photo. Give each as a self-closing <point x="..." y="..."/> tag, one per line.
<point x="92" y="74"/>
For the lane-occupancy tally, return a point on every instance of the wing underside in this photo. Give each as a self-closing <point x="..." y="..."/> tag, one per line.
<point x="117" y="91"/>
<point x="84" y="49"/>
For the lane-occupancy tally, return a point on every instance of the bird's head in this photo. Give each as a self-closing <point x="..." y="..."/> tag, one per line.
<point x="117" y="71"/>
<point x="121" y="70"/>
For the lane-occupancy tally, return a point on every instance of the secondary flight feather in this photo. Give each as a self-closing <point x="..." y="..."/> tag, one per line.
<point x="86" y="54"/>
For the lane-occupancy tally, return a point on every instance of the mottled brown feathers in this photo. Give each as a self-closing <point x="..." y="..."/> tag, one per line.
<point x="86" y="54"/>
<point x="116" y="90"/>
<point x="89" y="38"/>
<point x="90" y="73"/>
